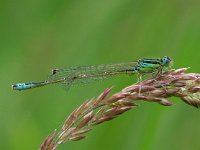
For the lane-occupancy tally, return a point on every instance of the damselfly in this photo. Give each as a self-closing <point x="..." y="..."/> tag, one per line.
<point x="83" y="74"/>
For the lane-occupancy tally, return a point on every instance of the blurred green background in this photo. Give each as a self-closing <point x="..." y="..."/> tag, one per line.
<point x="39" y="35"/>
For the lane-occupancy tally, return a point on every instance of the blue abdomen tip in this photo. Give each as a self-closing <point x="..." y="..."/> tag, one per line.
<point x="23" y="86"/>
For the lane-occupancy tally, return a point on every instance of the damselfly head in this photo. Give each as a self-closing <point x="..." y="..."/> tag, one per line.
<point x="166" y="61"/>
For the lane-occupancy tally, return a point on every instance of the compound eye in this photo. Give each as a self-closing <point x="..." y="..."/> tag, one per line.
<point x="166" y="60"/>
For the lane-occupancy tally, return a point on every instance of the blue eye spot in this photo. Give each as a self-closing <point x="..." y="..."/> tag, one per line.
<point x="165" y="61"/>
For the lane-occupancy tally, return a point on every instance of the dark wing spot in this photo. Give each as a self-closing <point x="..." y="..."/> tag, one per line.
<point x="54" y="71"/>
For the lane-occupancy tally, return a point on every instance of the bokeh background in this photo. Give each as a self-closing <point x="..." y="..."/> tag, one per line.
<point x="39" y="35"/>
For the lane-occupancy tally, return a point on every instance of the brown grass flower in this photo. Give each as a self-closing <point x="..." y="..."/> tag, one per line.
<point x="172" y="83"/>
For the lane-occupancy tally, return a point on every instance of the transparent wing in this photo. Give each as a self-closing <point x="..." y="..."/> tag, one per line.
<point x="86" y="74"/>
